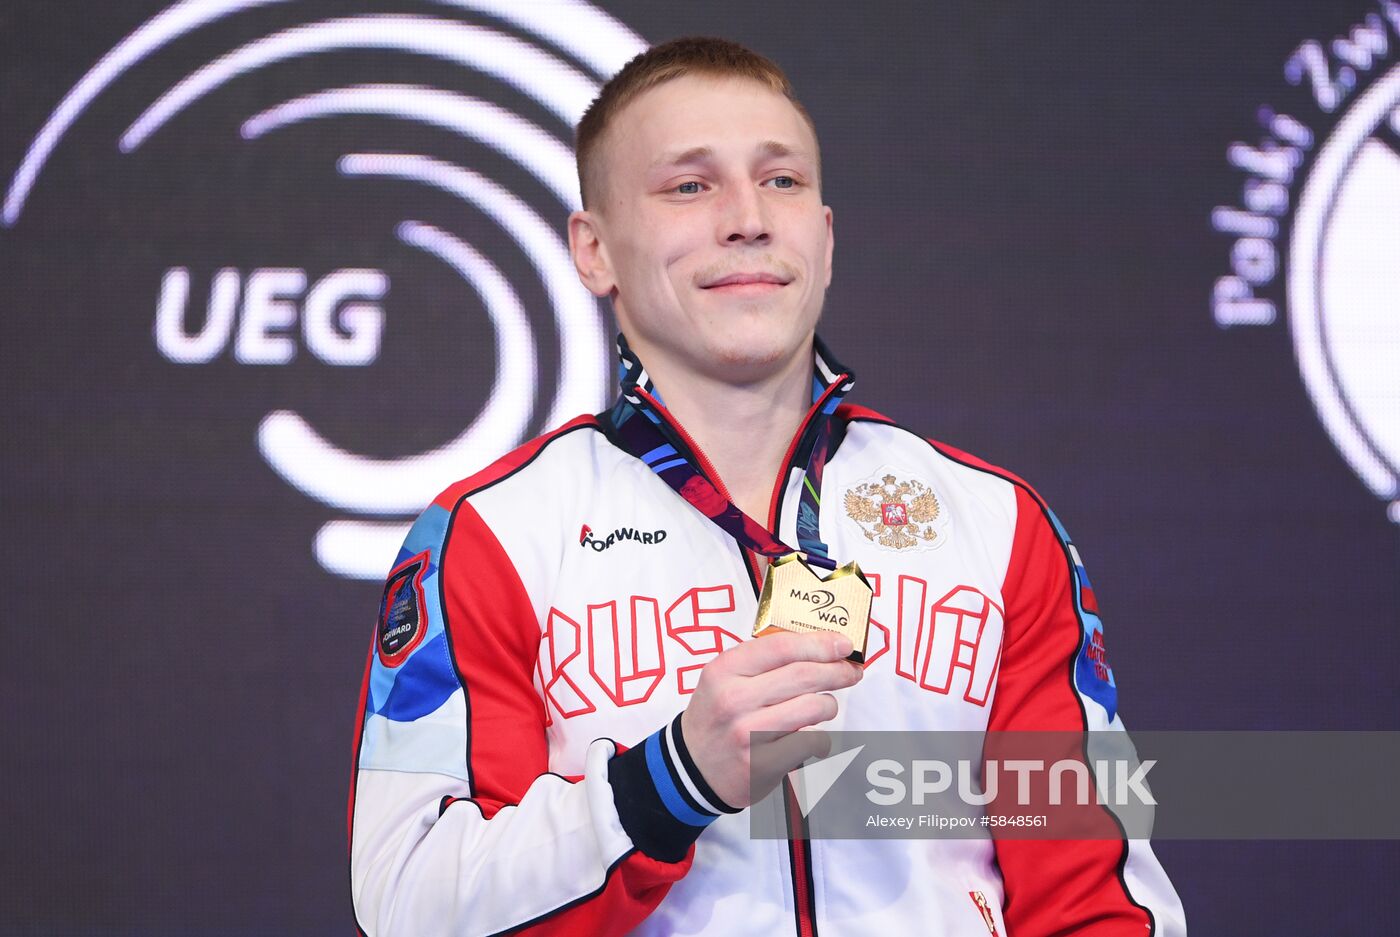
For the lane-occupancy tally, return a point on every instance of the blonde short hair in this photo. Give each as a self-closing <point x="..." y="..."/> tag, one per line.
<point x="691" y="55"/>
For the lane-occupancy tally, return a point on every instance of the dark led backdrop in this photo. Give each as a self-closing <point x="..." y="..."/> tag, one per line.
<point x="274" y="272"/>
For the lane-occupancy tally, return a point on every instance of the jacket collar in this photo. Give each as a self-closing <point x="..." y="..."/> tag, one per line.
<point x="828" y="374"/>
<point x="831" y="381"/>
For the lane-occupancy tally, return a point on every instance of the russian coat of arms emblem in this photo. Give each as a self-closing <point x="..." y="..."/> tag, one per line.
<point x="897" y="514"/>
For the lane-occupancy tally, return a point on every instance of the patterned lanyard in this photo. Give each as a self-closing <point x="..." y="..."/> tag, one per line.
<point x="641" y="425"/>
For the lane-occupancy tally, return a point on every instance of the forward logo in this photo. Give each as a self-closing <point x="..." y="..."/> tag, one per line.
<point x="599" y="544"/>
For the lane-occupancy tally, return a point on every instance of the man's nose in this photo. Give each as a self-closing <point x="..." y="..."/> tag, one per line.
<point x="745" y="218"/>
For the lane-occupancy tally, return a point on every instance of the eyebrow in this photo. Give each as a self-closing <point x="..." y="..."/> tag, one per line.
<point x="700" y="154"/>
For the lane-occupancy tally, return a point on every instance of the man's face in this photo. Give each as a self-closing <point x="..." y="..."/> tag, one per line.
<point x="711" y="236"/>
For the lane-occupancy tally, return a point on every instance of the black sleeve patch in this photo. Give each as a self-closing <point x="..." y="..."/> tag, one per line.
<point x="401" y="622"/>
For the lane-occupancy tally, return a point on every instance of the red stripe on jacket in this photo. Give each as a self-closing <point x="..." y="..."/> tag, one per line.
<point x="1052" y="886"/>
<point x="495" y="639"/>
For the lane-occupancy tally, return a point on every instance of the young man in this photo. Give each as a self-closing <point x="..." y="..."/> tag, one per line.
<point x="557" y="710"/>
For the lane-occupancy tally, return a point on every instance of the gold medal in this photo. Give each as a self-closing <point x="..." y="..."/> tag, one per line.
<point x="795" y="598"/>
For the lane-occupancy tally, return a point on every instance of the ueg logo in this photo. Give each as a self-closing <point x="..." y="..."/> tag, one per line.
<point x="1315" y="230"/>
<point x="341" y="317"/>
<point x="599" y="544"/>
<point x="551" y="56"/>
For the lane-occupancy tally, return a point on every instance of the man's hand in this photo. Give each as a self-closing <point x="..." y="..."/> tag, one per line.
<point x="778" y="683"/>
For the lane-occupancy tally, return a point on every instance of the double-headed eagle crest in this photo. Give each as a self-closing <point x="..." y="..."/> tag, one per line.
<point x="895" y="514"/>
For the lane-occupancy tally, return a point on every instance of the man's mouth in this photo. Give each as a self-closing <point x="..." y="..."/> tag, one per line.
<point x="745" y="283"/>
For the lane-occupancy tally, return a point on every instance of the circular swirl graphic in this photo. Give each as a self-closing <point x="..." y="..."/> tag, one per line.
<point x="1342" y="287"/>
<point x="571" y="48"/>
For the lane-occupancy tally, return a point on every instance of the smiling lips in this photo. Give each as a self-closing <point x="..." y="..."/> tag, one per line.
<point x="746" y="283"/>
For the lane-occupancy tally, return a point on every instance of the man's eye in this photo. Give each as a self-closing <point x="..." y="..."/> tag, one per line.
<point x="784" y="182"/>
<point x="688" y="188"/>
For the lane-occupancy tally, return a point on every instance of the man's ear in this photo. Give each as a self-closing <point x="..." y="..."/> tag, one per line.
<point x="589" y="254"/>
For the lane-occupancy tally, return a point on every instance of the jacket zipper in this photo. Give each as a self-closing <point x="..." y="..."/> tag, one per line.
<point x="799" y="847"/>
<point x="800" y="854"/>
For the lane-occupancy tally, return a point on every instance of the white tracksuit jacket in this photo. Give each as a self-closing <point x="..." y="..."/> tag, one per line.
<point x="558" y="607"/>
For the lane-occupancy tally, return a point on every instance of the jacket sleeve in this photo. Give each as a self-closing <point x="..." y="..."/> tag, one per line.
<point x="456" y="825"/>
<point x="1054" y="677"/>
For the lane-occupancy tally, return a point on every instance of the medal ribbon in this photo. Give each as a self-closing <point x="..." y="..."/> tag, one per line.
<point x="641" y="424"/>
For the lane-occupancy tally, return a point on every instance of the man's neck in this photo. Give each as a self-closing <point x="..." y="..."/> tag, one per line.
<point x="744" y="429"/>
